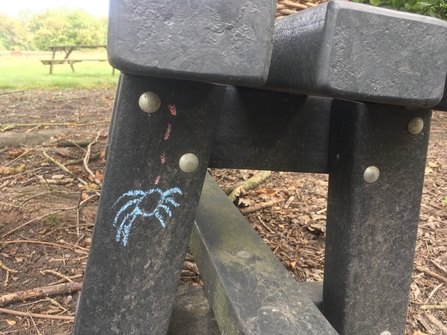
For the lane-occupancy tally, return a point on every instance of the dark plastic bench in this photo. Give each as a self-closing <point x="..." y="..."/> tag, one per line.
<point x="342" y="88"/>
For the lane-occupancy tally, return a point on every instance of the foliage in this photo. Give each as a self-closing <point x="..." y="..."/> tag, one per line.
<point x="38" y="30"/>
<point x="444" y="201"/>
<point x="13" y="36"/>
<point x="434" y="8"/>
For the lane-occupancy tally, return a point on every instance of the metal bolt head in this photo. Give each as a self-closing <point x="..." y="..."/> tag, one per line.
<point x="149" y="102"/>
<point x="189" y="163"/>
<point x="371" y="174"/>
<point x="415" y="125"/>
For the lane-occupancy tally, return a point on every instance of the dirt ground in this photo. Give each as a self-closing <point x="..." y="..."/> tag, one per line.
<point x="48" y="213"/>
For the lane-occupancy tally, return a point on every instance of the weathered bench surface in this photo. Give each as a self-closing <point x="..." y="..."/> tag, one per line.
<point x="372" y="72"/>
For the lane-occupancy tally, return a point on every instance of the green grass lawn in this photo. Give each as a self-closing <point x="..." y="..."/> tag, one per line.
<point x="30" y="73"/>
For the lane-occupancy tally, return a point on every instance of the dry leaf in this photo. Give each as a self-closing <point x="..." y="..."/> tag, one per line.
<point x="11" y="322"/>
<point x="99" y="176"/>
<point x="103" y="155"/>
<point x="84" y="196"/>
<point x="293" y="265"/>
<point x="16" y="152"/>
<point x="270" y="191"/>
<point x="432" y="164"/>
<point x="90" y="187"/>
<point x="9" y="170"/>
<point x="428" y="170"/>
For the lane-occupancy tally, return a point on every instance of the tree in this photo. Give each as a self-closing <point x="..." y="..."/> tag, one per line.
<point x="63" y="27"/>
<point x="13" y="36"/>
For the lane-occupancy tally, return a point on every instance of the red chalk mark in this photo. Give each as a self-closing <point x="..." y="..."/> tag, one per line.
<point x="168" y="132"/>
<point x="157" y="180"/>
<point x="173" y="110"/>
<point x="163" y="158"/>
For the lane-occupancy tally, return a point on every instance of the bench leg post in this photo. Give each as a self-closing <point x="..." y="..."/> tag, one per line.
<point x="376" y="172"/>
<point x="148" y="203"/>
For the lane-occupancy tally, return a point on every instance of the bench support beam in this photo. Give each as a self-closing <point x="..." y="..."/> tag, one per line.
<point x="372" y="227"/>
<point x="249" y="289"/>
<point x="148" y="204"/>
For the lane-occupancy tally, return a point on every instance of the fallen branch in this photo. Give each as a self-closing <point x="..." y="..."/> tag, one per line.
<point x="431" y="273"/>
<point x="20" y="156"/>
<point x="256" y="208"/>
<point x="437" y="323"/>
<point x="60" y="275"/>
<point x="64" y="168"/>
<point x="35" y="219"/>
<point x="65" y="143"/>
<point x="5" y="93"/>
<point x="9" y="126"/>
<point x="255" y="180"/>
<point x="62" y="280"/>
<point x="425" y="307"/>
<point x="41" y="316"/>
<point x="81" y="160"/>
<point x="439" y="266"/>
<point x="4" y="267"/>
<point x="40" y="292"/>
<point x="46" y="243"/>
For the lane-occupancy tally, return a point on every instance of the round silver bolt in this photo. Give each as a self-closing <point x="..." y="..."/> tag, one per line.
<point x="189" y="163"/>
<point x="243" y="254"/>
<point x="386" y="332"/>
<point x="371" y="174"/>
<point x="149" y="102"/>
<point x="415" y="125"/>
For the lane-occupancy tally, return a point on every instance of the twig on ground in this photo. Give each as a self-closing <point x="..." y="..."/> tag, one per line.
<point x="46" y="243"/>
<point x="425" y="307"/>
<point x="9" y="126"/>
<point x="21" y="173"/>
<point x="41" y="316"/>
<point x="256" y="208"/>
<point x="34" y="196"/>
<point x="40" y="292"/>
<point x="431" y="273"/>
<point x="86" y="160"/>
<point x="264" y="225"/>
<point x="433" y="292"/>
<point x="4" y="267"/>
<point x="65" y="143"/>
<point x="20" y="156"/>
<point x="78" y="210"/>
<point x="6" y="279"/>
<point x="437" y="323"/>
<point x="60" y="275"/>
<point x="5" y="93"/>
<point x="37" y="329"/>
<point x="248" y="184"/>
<point x="63" y="168"/>
<point x="81" y="160"/>
<point x="62" y="280"/>
<point x="35" y="219"/>
<point x="439" y="266"/>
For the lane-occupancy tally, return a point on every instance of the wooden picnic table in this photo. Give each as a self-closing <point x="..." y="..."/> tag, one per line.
<point x="68" y="49"/>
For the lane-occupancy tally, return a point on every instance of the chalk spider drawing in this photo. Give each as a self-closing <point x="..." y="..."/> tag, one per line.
<point x="137" y="197"/>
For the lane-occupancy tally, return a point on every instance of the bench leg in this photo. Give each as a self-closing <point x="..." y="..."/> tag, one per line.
<point x="372" y="224"/>
<point x="148" y="204"/>
<point x="72" y="66"/>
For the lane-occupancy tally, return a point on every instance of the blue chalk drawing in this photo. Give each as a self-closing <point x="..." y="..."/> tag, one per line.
<point x="138" y="196"/>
